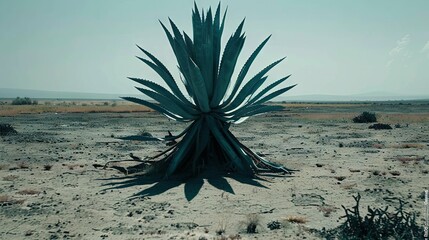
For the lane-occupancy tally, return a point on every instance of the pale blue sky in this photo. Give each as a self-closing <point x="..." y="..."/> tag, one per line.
<point x="332" y="47"/>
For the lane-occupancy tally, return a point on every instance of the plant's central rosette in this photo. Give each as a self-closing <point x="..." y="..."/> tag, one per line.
<point x="207" y="142"/>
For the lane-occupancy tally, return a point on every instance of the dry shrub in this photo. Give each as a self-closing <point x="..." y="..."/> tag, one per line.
<point x="348" y="186"/>
<point x="252" y="222"/>
<point x="380" y="126"/>
<point x="327" y="210"/>
<point x="47" y="167"/>
<point x="377" y="224"/>
<point x="409" y="159"/>
<point x="378" y="145"/>
<point x="29" y="233"/>
<point x="5" y="199"/>
<point x="365" y="117"/>
<point x="297" y="219"/>
<point x="395" y="173"/>
<point x="10" y="178"/>
<point x="221" y="229"/>
<point x="410" y="145"/>
<point x="29" y="192"/>
<point x="7" y="129"/>
<point x="73" y="166"/>
<point x="23" y="165"/>
<point x="340" y="178"/>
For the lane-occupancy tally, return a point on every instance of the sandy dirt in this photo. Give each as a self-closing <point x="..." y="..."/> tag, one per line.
<point x="49" y="188"/>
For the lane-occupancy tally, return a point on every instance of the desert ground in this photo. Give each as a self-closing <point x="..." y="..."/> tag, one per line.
<point x="49" y="188"/>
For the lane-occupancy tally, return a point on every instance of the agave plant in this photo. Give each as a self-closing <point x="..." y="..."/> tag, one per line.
<point x="207" y="142"/>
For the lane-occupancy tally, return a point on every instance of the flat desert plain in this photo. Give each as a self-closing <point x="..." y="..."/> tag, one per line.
<point x="49" y="188"/>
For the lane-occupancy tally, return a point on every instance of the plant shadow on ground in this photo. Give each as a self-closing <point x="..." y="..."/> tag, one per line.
<point x="192" y="186"/>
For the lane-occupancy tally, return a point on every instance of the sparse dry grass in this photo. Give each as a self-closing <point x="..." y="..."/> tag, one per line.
<point x="23" y="165"/>
<point x="252" y="222"/>
<point x="409" y="159"/>
<point x="324" y="116"/>
<point x="385" y="117"/>
<point x="390" y="118"/>
<point x="324" y="105"/>
<point x="410" y="145"/>
<point x="348" y="186"/>
<point x="296" y="219"/>
<point x="74" y="166"/>
<point x="83" y="107"/>
<point x="28" y="192"/>
<point x="10" y="178"/>
<point x="327" y="210"/>
<point x="230" y="237"/>
<point x="221" y="229"/>
<point x="4" y="198"/>
<point x="393" y="118"/>
<point x="7" y="200"/>
<point x="378" y="145"/>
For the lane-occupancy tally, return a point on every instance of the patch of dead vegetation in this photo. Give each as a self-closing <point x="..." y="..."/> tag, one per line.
<point x="348" y="186"/>
<point x="3" y="166"/>
<point x="84" y="107"/>
<point x="23" y="165"/>
<point x="230" y="237"/>
<point x="6" y="200"/>
<point x="252" y="221"/>
<point x="10" y="178"/>
<point x="324" y="116"/>
<point x="410" y="145"/>
<point x="73" y="166"/>
<point x="407" y="159"/>
<point x="297" y="219"/>
<point x="406" y="118"/>
<point x="327" y="210"/>
<point x="29" y="192"/>
<point x="378" y="145"/>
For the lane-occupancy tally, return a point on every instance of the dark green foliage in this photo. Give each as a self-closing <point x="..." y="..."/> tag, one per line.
<point x="6" y="129"/>
<point x="380" y="126"/>
<point x="274" y="225"/>
<point x="251" y="228"/>
<point x="365" y="117"/>
<point x="377" y="224"/>
<point x="207" y="142"/>
<point x="24" y="101"/>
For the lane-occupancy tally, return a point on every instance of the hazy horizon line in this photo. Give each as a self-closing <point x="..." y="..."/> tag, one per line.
<point x="11" y="93"/>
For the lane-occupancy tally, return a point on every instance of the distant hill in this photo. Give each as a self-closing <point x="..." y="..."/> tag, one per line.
<point x="356" y="97"/>
<point x="376" y="96"/>
<point x="13" y="93"/>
